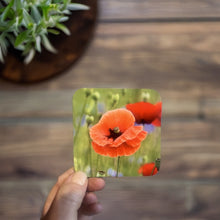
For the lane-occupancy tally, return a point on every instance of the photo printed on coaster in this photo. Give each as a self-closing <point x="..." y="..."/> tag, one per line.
<point x="117" y="132"/>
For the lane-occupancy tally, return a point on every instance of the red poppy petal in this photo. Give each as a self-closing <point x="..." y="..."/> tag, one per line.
<point x="138" y="110"/>
<point x="157" y="122"/>
<point x="159" y="107"/>
<point x="129" y="134"/>
<point x="121" y="118"/>
<point x="128" y="150"/>
<point x="99" y="136"/>
<point x="122" y="150"/>
<point x="147" y="169"/>
<point x="137" y="140"/>
<point x="143" y="111"/>
<point x="140" y="170"/>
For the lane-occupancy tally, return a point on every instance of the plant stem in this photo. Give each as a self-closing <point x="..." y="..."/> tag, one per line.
<point x="153" y="170"/>
<point x="90" y="152"/>
<point x="80" y="120"/>
<point x="118" y="166"/>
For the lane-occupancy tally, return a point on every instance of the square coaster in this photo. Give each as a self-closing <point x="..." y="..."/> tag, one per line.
<point x="117" y="132"/>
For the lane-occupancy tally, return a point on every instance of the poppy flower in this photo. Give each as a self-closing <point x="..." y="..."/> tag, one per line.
<point x="146" y="113"/>
<point x="148" y="169"/>
<point x="115" y="134"/>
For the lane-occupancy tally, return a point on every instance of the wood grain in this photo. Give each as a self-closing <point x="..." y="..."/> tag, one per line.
<point x="137" y="199"/>
<point x="180" y="60"/>
<point x="159" y="9"/>
<point x="190" y="149"/>
<point x="52" y="104"/>
<point x="168" y="45"/>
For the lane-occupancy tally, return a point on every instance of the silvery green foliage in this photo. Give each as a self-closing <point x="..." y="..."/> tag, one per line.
<point x="25" y="24"/>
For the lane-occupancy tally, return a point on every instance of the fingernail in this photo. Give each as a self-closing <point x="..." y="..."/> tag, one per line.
<point x="79" y="178"/>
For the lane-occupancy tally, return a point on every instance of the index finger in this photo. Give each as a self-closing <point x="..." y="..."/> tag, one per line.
<point x="95" y="184"/>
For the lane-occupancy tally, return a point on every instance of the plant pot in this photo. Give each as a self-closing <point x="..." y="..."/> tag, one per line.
<point x="46" y="65"/>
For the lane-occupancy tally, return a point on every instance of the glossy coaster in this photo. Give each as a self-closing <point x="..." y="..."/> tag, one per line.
<point x="117" y="132"/>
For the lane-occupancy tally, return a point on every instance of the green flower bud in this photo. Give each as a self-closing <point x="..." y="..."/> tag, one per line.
<point x="88" y="92"/>
<point x="89" y="119"/>
<point x="145" y="159"/>
<point x="115" y="99"/>
<point x="96" y="96"/>
<point x="124" y="91"/>
<point x="145" y="96"/>
<point x="90" y="107"/>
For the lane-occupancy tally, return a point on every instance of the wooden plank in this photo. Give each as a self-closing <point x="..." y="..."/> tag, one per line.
<point x="50" y="104"/>
<point x="159" y="9"/>
<point x="207" y="200"/>
<point x="180" y="60"/>
<point x="22" y="200"/>
<point x="42" y="103"/>
<point x="35" y="150"/>
<point x="141" y="198"/>
<point x="190" y="149"/>
<point x="211" y="108"/>
<point x="153" y="199"/>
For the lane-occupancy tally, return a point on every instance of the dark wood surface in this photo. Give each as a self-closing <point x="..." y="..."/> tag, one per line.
<point x="171" y="46"/>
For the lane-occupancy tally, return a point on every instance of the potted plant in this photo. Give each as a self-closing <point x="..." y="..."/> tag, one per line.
<point x="30" y="27"/>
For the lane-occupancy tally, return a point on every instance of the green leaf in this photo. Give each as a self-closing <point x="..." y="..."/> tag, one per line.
<point x="35" y="14"/>
<point x="77" y="6"/>
<point x="7" y="11"/>
<point x="1" y="56"/>
<point x="21" y="38"/>
<point x="53" y="31"/>
<point x="18" y="5"/>
<point x="63" y="28"/>
<point x="27" y="48"/>
<point x="29" y="57"/>
<point x="27" y="19"/>
<point x="47" y="44"/>
<point x="38" y="44"/>
<point x="45" y="10"/>
<point x="63" y="19"/>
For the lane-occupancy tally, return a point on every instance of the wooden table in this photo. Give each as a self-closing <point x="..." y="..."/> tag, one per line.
<point x="172" y="46"/>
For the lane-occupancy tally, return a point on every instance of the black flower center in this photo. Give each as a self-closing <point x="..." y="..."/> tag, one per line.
<point x="114" y="133"/>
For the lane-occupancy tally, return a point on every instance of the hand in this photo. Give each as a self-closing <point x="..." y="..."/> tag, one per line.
<point x="72" y="197"/>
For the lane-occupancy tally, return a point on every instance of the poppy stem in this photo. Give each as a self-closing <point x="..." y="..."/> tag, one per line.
<point x="80" y="121"/>
<point x="118" y="166"/>
<point x="153" y="170"/>
<point x="90" y="152"/>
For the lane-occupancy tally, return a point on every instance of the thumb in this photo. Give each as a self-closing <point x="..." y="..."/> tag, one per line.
<point x="69" y="198"/>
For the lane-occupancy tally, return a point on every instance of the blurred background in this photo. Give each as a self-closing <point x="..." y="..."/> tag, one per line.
<point x="171" y="46"/>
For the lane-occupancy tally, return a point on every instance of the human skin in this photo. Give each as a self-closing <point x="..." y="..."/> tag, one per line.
<point x="73" y="198"/>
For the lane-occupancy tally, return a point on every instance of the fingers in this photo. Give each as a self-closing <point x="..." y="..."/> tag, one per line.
<point x="95" y="184"/>
<point x="55" y="189"/>
<point x="69" y="193"/>
<point x="69" y="198"/>
<point x="90" y="198"/>
<point x="90" y="205"/>
<point x="90" y="210"/>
